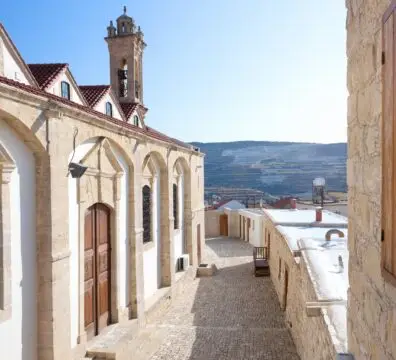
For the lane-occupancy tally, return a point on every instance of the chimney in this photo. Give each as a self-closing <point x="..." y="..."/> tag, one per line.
<point x="293" y="204"/>
<point x="318" y="214"/>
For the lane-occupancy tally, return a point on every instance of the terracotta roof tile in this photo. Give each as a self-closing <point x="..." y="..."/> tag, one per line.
<point x="128" y="108"/>
<point x="93" y="93"/>
<point x="46" y="73"/>
<point x="148" y="131"/>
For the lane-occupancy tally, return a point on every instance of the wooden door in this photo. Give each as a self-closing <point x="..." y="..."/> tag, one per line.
<point x="224" y="225"/>
<point x="97" y="269"/>
<point x="248" y="229"/>
<point x="199" y="243"/>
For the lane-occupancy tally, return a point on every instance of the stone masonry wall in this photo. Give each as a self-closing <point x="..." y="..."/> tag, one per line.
<point x="310" y="334"/>
<point x="371" y="300"/>
<point x="40" y="130"/>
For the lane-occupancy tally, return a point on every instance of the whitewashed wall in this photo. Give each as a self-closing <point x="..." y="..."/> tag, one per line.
<point x="11" y="68"/>
<point x="56" y="88"/>
<point x="101" y="106"/>
<point x="256" y="237"/>
<point x="18" y="335"/>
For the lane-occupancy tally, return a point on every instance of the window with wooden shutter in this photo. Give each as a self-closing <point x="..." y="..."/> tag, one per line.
<point x="146" y="192"/>
<point x="388" y="230"/>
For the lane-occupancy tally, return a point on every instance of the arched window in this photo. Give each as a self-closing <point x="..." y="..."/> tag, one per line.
<point x="109" y="109"/>
<point x="146" y="192"/>
<point x="175" y="207"/>
<point x="65" y="90"/>
<point x="135" y="120"/>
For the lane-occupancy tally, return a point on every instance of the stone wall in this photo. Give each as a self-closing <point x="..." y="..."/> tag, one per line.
<point x="212" y="223"/>
<point x="38" y="123"/>
<point x="371" y="300"/>
<point x="311" y="335"/>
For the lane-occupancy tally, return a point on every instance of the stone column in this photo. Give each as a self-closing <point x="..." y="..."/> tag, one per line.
<point x="5" y="242"/>
<point x="137" y="276"/>
<point x="166" y="228"/>
<point x="53" y="246"/>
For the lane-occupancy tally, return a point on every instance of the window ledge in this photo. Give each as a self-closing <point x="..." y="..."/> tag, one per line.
<point x="148" y="245"/>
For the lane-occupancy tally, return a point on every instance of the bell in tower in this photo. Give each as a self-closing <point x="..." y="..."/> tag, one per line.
<point x="126" y="46"/>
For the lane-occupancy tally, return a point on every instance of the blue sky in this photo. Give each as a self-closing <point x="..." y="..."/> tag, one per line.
<point x="214" y="70"/>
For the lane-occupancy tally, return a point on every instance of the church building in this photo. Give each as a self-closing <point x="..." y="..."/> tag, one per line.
<point x="99" y="212"/>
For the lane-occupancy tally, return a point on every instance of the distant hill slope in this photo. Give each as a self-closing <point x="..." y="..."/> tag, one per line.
<point x="279" y="168"/>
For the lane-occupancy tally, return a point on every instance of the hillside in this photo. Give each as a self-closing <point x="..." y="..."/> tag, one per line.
<point x="278" y="168"/>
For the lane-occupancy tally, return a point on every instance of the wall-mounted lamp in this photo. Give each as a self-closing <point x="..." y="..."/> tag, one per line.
<point x="75" y="170"/>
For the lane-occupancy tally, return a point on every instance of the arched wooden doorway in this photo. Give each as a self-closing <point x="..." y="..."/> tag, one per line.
<point x="97" y="272"/>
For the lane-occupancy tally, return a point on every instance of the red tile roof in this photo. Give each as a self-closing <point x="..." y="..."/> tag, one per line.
<point x="93" y="93"/>
<point x="46" y="73"/>
<point x="129" y="108"/>
<point x="148" y="131"/>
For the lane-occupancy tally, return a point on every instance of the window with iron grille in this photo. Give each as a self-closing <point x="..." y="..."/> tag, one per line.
<point x="146" y="192"/>
<point x="109" y="109"/>
<point x="65" y="90"/>
<point x="175" y="207"/>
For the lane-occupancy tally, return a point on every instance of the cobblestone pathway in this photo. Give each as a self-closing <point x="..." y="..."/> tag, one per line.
<point x="232" y="315"/>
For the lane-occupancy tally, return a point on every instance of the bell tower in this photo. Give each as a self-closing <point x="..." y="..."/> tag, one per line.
<point x="126" y="48"/>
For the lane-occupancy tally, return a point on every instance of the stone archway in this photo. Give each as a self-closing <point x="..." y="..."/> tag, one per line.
<point x="108" y="180"/>
<point x="182" y="173"/>
<point x="18" y="241"/>
<point x="157" y="251"/>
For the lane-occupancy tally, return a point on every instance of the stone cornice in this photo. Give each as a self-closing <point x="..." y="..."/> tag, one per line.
<point x="31" y="99"/>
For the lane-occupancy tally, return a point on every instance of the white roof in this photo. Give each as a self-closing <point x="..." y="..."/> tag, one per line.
<point x="329" y="279"/>
<point x="304" y="216"/>
<point x="294" y="233"/>
<point x="254" y="212"/>
<point x="232" y="205"/>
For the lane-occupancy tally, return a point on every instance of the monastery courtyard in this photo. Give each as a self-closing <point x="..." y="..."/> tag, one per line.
<point x="232" y="315"/>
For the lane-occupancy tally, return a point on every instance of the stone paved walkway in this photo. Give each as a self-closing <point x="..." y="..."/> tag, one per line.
<point x="232" y="315"/>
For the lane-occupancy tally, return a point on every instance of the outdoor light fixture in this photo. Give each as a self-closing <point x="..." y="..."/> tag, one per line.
<point x="75" y="170"/>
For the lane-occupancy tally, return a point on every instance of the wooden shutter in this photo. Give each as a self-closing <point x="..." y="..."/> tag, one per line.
<point x="388" y="233"/>
<point x="146" y="205"/>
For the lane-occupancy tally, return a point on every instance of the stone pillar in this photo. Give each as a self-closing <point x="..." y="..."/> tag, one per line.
<point x="5" y="242"/>
<point x="167" y="219"/>
<point x="137" y="276"/>
<point x="188" y="233"/>
<point x="53" y="248"/>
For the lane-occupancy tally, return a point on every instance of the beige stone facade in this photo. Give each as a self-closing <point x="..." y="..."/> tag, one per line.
<point x="115" y="153"/>
<point x="372" y="300"/>
<point x="316" y="319"/>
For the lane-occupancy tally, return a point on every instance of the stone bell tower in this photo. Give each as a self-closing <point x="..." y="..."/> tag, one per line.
<point x="126" y="48"/>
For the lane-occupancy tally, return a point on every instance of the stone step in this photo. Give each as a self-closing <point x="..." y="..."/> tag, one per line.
<point x="113" y="342"/>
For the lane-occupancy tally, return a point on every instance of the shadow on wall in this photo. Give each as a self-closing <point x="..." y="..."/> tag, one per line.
<point x="238" y="316"/>
<point x="221" y="247"/>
